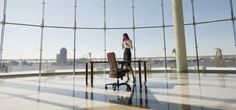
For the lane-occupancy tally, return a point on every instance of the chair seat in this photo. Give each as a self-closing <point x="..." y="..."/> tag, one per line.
<point x="121" y="73"/>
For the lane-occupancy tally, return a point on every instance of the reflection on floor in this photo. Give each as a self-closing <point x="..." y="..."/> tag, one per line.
<point x="170" y="91"/>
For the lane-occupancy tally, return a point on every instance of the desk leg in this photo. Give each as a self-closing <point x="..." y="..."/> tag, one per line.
<point x="86" y="74"/>
<point x="145" y="72"/>
<point x="139" y="72"/>
<point x="91" y="74"/>
<point x="141" y="96"/>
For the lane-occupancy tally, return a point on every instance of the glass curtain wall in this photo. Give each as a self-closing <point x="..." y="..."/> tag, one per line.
<point x="99" y="25"/>
<point x="214" y="34"/>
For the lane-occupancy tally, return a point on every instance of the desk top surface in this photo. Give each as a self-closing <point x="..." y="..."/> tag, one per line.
<point x="117" y="61"/>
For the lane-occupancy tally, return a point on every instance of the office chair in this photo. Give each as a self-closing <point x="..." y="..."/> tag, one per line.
<point x="116" y="72"/>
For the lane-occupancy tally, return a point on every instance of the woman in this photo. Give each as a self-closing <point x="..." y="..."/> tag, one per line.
<point x="127" y="46"/>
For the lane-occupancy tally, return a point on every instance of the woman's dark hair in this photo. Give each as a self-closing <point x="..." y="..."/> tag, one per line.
<point x="125" y="35"/>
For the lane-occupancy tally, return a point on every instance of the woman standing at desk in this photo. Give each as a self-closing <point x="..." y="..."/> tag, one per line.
<point x="127" y="46"/>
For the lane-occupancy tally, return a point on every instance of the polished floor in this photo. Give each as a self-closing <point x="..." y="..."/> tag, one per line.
<point x="162" y="91"/>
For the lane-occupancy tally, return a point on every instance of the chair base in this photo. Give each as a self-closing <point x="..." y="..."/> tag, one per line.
<point x="116" y="86"/>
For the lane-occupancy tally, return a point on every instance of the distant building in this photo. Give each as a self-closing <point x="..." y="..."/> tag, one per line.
<point x="219" y="58"/>
<point x="63" y="55"/>
<point x="61" y="58"/>
<point x="58" y="60"/>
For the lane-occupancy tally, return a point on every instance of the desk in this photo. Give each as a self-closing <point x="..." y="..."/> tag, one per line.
<point x="136" y="61"/>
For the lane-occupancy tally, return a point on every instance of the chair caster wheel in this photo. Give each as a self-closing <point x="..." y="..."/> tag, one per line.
<point x="128" y="89"/>
<point x="114" y="88"/>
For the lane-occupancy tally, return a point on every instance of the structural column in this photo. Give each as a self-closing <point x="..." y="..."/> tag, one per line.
<point x="178" y="21"/>
<point x="3" y="30"/>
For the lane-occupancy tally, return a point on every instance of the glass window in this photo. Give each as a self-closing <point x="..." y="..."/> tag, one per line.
<point x="90" y="41"/>
<point x="190" y="40"/>
<point x="213" y="36"/>
<point x="149" y="43"/>
<point x="58" y="46"/>
<point x="207" y="10"/>
<point x="21" y="48"/>
<point x="190" y="47"/>
<point x="90" y="13"/>
<point x="119" y="13"/>
<point x="21" y="42"/>
<point x="59" y="13"/>
<point x="187" y="8"/>
<point x="1" y="9"/>
<point x="148" y="16"/>
<point x="168" y="12"/>
<point x="234" y="7"/>
<point x="149" y="46"/>
<point x="24" y="11"/>
<point x="170" y="48"/>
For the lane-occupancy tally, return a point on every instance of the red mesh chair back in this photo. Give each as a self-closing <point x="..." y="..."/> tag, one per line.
<point x="113" y="65"/>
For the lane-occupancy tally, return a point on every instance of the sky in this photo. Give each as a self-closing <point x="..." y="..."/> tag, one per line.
<point x="23" y="42"/>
